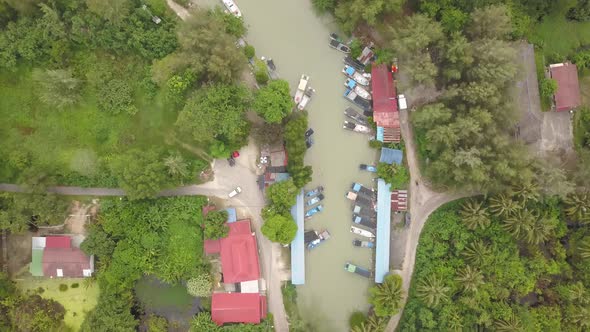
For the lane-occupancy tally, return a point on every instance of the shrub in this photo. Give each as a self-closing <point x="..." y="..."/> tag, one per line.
<point x="75" y="285"/>
<point x="40" y="290"/>
<point x="63" y="287"/>
<point x="548" y="87"/>
<point x="260" y="72"/>
<point x="249" y="51"/>
<point x="356" y="319"/>
<point x="199" y="286"/>
<point x="215" y="225"/>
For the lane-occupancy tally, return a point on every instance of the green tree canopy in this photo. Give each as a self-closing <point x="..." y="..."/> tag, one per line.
<point x="141" y="173"/>
<point x="273" y="102"/>
<point x="216" y="112"/>
<point x="282" y="196"/>
<point x="387" y="297"/>
<point x="216" y="225"/>
<point x="279" y="228"/>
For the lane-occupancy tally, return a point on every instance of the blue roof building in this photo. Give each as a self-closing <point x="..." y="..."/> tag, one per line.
<point x="232" y="215"/>
<point x="391" y="156"/>
<point x="298" y="245"/>
<point x="383" y="230"/>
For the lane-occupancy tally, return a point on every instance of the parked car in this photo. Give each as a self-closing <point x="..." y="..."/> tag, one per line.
<point x="235" y="192"/>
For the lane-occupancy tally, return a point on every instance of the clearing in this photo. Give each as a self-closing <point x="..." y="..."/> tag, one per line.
<point x="77" y="301"/>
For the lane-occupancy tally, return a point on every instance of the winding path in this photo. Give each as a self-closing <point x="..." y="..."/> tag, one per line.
<point x="423" y="201"/>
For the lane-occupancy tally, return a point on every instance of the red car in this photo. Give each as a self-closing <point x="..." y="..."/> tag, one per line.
<point x="235" y="154"/>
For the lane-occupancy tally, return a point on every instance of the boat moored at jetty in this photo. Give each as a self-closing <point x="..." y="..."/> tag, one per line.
<point x="356" y="116"/>
<point x="315" y="191"/>
<point x="301" y="88"/>
<point x="356" y="127"/>
<point x="306" y="98"/>
<point x="363" y="244"/>
<point x="354" y="63"/>
<point x="351" y="72"/>
<point x="361" y="92"/>
<point x="321" y="237"/>
<point x="336" y="43"/>
<point x="231" y="7"/>
<point x="364" y="104"/>
<point x="368" y="168"/>
<point x="361" y="232"/>
<point x="314" y="211"/>
<point x="365" y="221"/>
<point x="315" y="200"/>
<point x="358" y="270"/>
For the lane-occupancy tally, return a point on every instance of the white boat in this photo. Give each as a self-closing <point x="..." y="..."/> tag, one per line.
<point x="361" y="92"/>
<point x="231" y="7"/>
<point x="356" y="127"/>
<point x="306" y="98"/>
<point x="361" y="232"/>
<point x="301" y="88"/>
<point x="350" y="72"/>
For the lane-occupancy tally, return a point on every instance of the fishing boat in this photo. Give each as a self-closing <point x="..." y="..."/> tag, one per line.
<point x="301" y="88"/>
<point x="361" y="92"/>
<point x="231" y="7"/>
<point x="356" y="116"/>
<point x="361" y="232"/>
<point x="356" y="127"/>
<point x="365" y="210"/>
<point x="309" y="132"/>
<point x="334" y="36"/>
<point x="367" y="55"/>
<point x="306" y="98"/>
<point x="358" y="270"/>
<point x="308" y="142"/>
<point x="368" y="168"/>
<point x="315" y="200"/>
<point x="339" y="46"/>
<point x="321" y="237"/>
<point x="364" y="104"/>
<point x="313" y="211"/>
<point x="361" y="200"/>
<point x="365" y="221"/>
<point x="315" y="191"/>
<point x="363" y="244"/>
<point x="359" y="188"/>
<point x="362" y="79"/>
<point x="271" y="68"/>
<point x="354" y="63"/>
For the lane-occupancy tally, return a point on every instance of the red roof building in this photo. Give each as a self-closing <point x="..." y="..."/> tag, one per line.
<point x="385" y="110"/>
<point x="60" y="259"/>
<point x="212" y="247"/>
<point x="567" y="96"/>
<point x="239" y="254"/>
<point x="237" y="308"/>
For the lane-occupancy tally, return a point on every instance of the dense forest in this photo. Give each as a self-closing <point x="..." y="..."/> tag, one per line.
<point x="516" y="261"/>
<point x="96" y="93"/>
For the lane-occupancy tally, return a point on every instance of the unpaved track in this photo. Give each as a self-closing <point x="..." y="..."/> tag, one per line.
<point x="423" y="201"/>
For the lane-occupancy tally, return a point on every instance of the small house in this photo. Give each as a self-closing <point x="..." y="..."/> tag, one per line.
<point x="567" y="96"/>
<point x="54" y="256"/>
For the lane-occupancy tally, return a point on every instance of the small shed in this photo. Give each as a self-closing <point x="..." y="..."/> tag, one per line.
<point x="567" y="97"/>
<point x="390" y="156"/>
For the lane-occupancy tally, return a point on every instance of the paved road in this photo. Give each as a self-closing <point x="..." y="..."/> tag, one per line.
<point x="423" y="201"/>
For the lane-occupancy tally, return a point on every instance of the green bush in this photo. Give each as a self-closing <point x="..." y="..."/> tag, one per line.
<point x="249" y="51"/>
<point x="356" y="319"/>
<point x="548" y="87"/>
<point x="63" y="287"/>
<point x="260" y="72"/>
<point x="40" y="290"/>
<point x="75" y="285"/>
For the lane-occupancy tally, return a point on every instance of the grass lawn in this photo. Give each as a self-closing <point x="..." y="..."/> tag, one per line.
<point x="559" y="35"/>
<point x="76" y="301"/>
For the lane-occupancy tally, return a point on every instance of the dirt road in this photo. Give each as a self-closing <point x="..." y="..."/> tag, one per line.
<point x="423" y="201"/>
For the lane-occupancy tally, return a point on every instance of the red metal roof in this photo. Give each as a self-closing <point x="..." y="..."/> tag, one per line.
<point x="385" y="112"/>
<point x="240" y="227"/>
<point x="212" y="247"/>
<point x="236" y="308"/>
<point x="567" y="96"/>
<point x="70" y="260"/>
<point x="239" y="256"/>
<point x="58" y="242"/>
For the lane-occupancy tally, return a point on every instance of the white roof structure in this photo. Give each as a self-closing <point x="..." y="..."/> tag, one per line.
<point x="249" y="286"/>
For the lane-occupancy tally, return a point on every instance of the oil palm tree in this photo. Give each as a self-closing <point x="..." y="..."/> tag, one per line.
<point x="539" y="230"/>
<point x="176" y="165"/>
<point x="476" y="252"/>
<point x="518" y="223"/>
<point x="474" y="215"/>
<point x="372" y="324"/>
<point x="503" y="205"/>
<point x="469" y="278"/>
<point x="432" y="291"/>
<point x="584" y="248"/>
<point x="580" y="316"/>
<point x="527" y="192"/>
<point x="577" y="293"/>
<point x="578" y="206"/>
<point x="455" y="322"/>
<point x="387" y="297"/>
<point x="511" y="324"/>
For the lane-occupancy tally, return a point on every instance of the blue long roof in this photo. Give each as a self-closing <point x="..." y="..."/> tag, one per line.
<point x="383" y="230"/>
<point x="232" y="216"/>
<point x="391" y="156"/>
<point x="298" y="245"/>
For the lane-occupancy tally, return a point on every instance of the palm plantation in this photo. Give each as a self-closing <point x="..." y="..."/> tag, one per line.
<point x="432" y="291"/>
<point x="475" y="215"/>
<point x="386" y="297"/>
<point x="470" y="279"/>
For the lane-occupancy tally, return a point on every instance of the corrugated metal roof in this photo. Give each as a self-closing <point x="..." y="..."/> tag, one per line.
<point x="391" y="156"/>
<point x="72" y="262"/>
<point x="383" y="230"/>
<point x="236" y="308"/>
<point x="567" y="96"/>
<point x="298" y="245"/>
<point x="58" y="242"/>
<point x="385" y="112"/>
<point x="36" y="267"/>
<point x="239" y="258"/>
